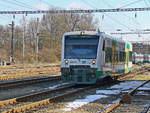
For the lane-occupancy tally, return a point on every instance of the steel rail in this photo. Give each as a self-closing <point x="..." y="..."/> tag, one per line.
<point x="119" y="101"/>
<point x="46" y="101"/>
<point x="42" y="102"/>
<point x="146" y="108"/>
<point x="31" y="96"/>
<point x="27" y="74"/>
<point x="19" y="83"/>
<point x="26" y="71"/>
<point x="143" y="69"/>
<point x="26" y="67"/>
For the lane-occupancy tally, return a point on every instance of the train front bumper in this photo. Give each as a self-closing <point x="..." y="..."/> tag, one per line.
<point x="79" y="74"/>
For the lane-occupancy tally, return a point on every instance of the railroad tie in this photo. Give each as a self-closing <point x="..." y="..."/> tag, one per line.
<point x="126" y="98"/>
<point x="146" y="108"/>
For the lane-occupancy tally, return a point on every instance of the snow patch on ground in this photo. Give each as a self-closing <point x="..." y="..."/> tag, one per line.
<point x="52" y="87"/>
<point x="56" y="86"/>
<point x="142" y="93"/>
<point x="109" y="92"/>
<point x="102" y="94"/>
<point x="80" y="102"/>
<point x="144" y="88"/>
<point x="147" y="85"/>
<point x="127" y="85"/>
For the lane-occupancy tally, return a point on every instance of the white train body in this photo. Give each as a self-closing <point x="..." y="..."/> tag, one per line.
<point x="89" y="56"/>
<point x="146" y="58"/>
<point x="137" y="58"/>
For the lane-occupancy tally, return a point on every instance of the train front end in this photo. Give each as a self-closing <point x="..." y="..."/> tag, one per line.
<point x="79" y="57"/>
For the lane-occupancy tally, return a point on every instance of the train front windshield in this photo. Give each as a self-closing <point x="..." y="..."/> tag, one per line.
<point x="81" y="46"/>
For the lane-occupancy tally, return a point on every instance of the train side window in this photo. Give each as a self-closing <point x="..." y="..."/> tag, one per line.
<point x="103" y="45"/>
<point x="130" y="56"/>
<point x="108" y="55"/>
<point x="121" y="56"/>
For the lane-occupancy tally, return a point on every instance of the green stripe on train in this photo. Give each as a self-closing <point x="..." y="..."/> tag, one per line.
<point x="127" y="45"/>
<point x="99" y="73"/>
<point x="128" y="69"/>
<point x="114" y="42"/>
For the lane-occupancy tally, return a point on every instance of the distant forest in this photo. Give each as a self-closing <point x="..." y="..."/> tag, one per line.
<point x="42" y="37"/>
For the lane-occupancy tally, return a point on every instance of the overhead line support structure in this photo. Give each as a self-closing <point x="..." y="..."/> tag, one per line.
<point x="126" y="33"/>
<point x="12" y="42"/>
<point x="77" y="11"/>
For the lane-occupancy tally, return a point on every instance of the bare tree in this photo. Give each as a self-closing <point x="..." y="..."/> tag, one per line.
<point x="46" y="33"/>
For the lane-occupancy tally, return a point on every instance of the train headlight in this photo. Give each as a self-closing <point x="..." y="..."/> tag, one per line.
<point x="66" y="61"/>
<point x="93" y="62"/>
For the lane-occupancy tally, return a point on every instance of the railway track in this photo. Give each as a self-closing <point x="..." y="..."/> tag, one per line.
<point x="18" y="83"/>
<point x="28" y="75"/>
<point x="27" y="102"/>
<point x="39" y="99"/>
<point x="122" y="105"/>
<point x="134" y="72"/>
<point x="27" y="69"/>
<point x="24" y="72"/>
<point x="141" y="70"/>
<point x="20" y="104"/>
<point x="28" y="66"/>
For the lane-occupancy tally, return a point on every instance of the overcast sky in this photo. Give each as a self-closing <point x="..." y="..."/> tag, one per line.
<point x="126" y="21"/>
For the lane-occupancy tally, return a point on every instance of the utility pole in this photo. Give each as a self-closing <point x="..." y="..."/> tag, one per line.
<point x="37" y="41"/>
<point x="12" y="42"/>
<point x="23" y="40"/>
<point x="37" y="47"/>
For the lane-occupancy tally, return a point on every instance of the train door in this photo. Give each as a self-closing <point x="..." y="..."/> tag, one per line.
<point x="107" y="50"/>
<point x="113" y="56"/>
<point x="127" y="47"/>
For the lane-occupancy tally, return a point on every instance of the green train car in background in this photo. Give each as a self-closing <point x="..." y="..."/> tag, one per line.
<point x="89" y="56"/>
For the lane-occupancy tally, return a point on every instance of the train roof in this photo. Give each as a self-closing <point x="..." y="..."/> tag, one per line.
<point x="79" y="32"/>
<point x="96" y="33"/>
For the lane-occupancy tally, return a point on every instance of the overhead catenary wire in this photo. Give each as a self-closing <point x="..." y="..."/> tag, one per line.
<point x="5" y="16"/>
<point x="118" y="22"/>
<point x="50" y="5"/>
<point x="134" y="20"/>
<point x="148" y="1"/>
<point x="88" y="3"/>
<point x="24" y="4"/>
<point x="131" y="3"/>
<point x="17" y="4"/>
<point x="20" y="4"/>
<point x="75" y="11"/>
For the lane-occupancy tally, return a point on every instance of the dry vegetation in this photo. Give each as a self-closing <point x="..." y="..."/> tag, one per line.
<point x="28" y="70"/>
<point x="42" y="37"/>
<point x="144" y="76"/>
<point x="135" y="75"/>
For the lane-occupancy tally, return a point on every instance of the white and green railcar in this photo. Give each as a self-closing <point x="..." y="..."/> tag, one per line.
<point x="137" y="58"/>
<point x="146" y="58"/>
<point x="89" y="56"/>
